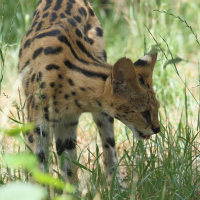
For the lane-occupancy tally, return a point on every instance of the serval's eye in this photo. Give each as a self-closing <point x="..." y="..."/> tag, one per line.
<point x="146" y="114"/>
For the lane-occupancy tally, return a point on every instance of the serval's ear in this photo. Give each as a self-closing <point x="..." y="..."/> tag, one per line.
<point x="123" y="74"/>
<point x="145" y="65"/>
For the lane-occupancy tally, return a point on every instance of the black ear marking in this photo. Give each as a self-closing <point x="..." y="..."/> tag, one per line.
<point x="140" y="63"/>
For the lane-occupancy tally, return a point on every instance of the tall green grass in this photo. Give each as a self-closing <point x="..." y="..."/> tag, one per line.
<point x="165" y="167"/>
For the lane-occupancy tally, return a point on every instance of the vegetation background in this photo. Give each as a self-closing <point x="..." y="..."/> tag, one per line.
<point x="165" y="167"/>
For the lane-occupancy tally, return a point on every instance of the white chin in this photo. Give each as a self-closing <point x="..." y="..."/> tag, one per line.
<point x="136" y="133"/>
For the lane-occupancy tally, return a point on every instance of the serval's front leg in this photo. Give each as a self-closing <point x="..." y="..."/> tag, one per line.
<point x="105" y="125"/>
<point x="65" y="136"/>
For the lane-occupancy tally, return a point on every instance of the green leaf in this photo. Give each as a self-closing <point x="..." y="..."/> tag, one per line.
<point x="29" y="161"/>
<point x="2" y="64"/>
<point x="173" y="61"/>
<point x="14" y="120"/>
<point x="48" y="179"/>
<point x="113" y="184"/>
<point x="22" y="191"/>
<point x="63" y="197"/>
<point x="154" y="49"/>
<point x="79" y="165"/>
<point x="2" y="58"/>
<point x="15" y="131"/>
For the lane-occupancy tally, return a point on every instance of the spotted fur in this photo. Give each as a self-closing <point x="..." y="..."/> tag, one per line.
<point x="62" y="60"/>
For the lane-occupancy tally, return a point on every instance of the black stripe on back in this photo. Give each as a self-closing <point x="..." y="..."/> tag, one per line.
<point x="84" y="71"/>
<point x="27" y="43"/>
<point x="64" y="39"/>
<point x="27" y="63"/>
<point x="68" y="9"/>
<point x="51" y="50"/>
<point x="58" y="5"/>
<point x="46" y="34"/>
<point x="84" y="50"/>
<point x="48" y="4"/>
<point x="39" y="26"/>
<point x="37" y="52"/>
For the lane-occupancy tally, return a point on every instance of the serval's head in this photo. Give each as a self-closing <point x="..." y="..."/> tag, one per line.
<point x="135" y="100"/>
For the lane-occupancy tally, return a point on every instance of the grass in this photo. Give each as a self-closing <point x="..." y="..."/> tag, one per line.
<point x="165" y="167"/>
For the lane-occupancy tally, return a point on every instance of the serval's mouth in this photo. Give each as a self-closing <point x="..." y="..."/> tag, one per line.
<point x="144" y="136"/>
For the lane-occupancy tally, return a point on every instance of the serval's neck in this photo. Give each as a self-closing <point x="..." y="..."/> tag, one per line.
<point x="96" y="94"/>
